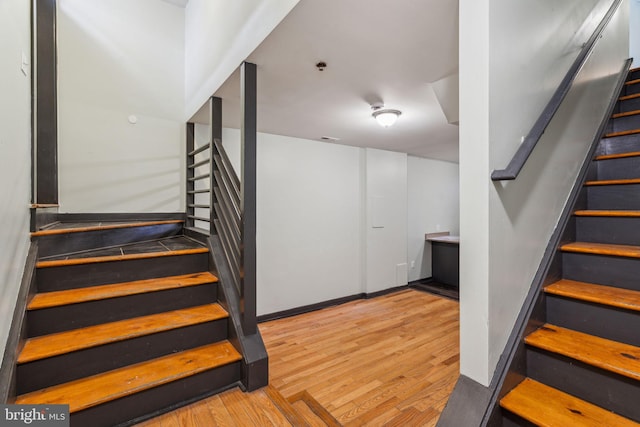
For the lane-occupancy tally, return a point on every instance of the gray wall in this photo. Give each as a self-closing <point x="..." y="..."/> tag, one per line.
<point x="15" y="153"/>
<point x="512" y="57"/>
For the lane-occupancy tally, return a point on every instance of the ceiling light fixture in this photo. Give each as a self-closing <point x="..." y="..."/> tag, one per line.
<point x="385" y="117"/>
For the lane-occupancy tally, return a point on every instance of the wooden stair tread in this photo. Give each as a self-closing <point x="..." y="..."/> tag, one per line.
<point x="112" y="258"/>
<point x="78" y="339"/>
<point x="619" y="155"/>
<point x="320" y="411"/>
<point x="632" y="82"/>
<point x="627" y="97"/>
<point x="614" y="182"/>
<point x="95" y="293"/>
<point x="622" y="133"/>
<point x="289" y="412"/>
<point x="560" y="409"/>
<point x="602" y="249"/>
<point x="625" y="114"/>
<point x="620" y="213"/>
<point x="613" y="356"/>
<point x="91" y="391"/>
<point x="51" y="232"/>
<point x="607" y="295"/>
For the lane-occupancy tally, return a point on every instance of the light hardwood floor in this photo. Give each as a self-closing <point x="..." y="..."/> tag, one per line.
<point x="386" y="361"/>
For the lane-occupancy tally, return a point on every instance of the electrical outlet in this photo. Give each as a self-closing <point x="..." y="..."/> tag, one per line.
<point x="413" y="264"/>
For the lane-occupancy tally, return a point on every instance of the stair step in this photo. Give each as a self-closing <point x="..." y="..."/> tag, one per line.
<point x="619" y="155"/>
<point x="632" y="82"/>
<point x="625" y="114"/>
<point x="607" y="295"/>
<point x="622" y="359"/>
<point x="290" y="413"/>
<point x="101" y="226"/>
<point x="65" y="342"/>
<point x="622" y="133"/>
<point x="95" y="293"/>
<point x="614" y="182"/>
<point x="546" y="406"/>
<point x="602" y="249"/>
<point x="627" y="97"/>
<point x="112" y="258"/>
<point x="101" y="388"/>
<point x="620" y="213"/>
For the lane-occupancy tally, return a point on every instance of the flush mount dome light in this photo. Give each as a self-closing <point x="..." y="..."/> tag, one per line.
<point x="385" y="117"/>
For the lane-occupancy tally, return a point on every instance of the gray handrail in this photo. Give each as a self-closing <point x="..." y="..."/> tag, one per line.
<point x="532" y="138"/>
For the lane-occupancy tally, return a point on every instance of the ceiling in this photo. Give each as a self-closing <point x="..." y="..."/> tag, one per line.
<point x="398" y="52"/>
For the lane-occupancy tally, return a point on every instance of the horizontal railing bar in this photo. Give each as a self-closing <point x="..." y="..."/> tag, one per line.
<point x="232" y="209"/>
<point x="526" y="148"/>
<point x="228" y="177"/>
<point x="199" y="206"/>
<point x="226" y="249"/>
<point x="204" y="190"/>
<point x="233" y="244"/>
<point x="200" y="149"/>
<point x="198" y="218"/>
<point x="224" y="184"/>
<point x="196" y="178"/>
<point x="201" y="163"/>
<point x="228" y="165"/>
<point x="231" y="222"/>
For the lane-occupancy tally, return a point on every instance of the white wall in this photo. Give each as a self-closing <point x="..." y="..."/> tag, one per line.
<point x="119" y="58"/>
<point x="220" y="34"/>
<point x="15" y="154"/>
<point x="507" y="75"/>
<point x="316" y="240"/>
<point x="386" y="220"/>
<point x="634" y="32"/>
<point x="433" y="205"/>
<point x="308" y="218"/>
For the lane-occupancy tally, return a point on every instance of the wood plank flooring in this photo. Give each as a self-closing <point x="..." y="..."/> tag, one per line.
<point x="386" y="361"/>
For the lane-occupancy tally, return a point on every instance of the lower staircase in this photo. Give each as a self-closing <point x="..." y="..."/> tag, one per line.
<point x="124" y="323"/>
<point x="583" y="358"/>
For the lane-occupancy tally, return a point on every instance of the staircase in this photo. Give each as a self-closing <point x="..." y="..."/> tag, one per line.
<point x="124" y="323"/>
<point x="583" y="361"/>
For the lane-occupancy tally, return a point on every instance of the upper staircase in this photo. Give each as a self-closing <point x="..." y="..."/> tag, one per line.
<point x="123" y="323"/>
<point x="583" y="361"/>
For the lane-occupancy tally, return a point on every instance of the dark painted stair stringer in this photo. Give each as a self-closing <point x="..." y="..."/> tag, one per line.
<point x="100" y="315"/>
<point x="582" y="364"/>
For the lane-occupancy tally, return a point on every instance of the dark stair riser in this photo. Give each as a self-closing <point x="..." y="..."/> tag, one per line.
<point x="606" y="270"/>
<point x="612" y="230"/>
<point x="595" y="319"/>
<point x="634" y="74"/>
<point x="56" y="244"/>
<point x="102" y="273"/>
<point x="613" y="197"/>
<point x="619" y="144"/>
<point x="627" y="105"/>
<point x="622" y="168"/>
<point x="606" y="389"/>
<point x="631" y="89"/>
<point x="150" y="401"/>
<point x="78" y="364"/>
<point x="624" y="123"/>
<point x="509" y="419"/>
<point x="73" y="316"/>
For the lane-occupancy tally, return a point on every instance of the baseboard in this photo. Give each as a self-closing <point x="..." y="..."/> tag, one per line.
<point x="467" y="404"/>
<point x="17" y="331"/>
<point x="325" y="304"/>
